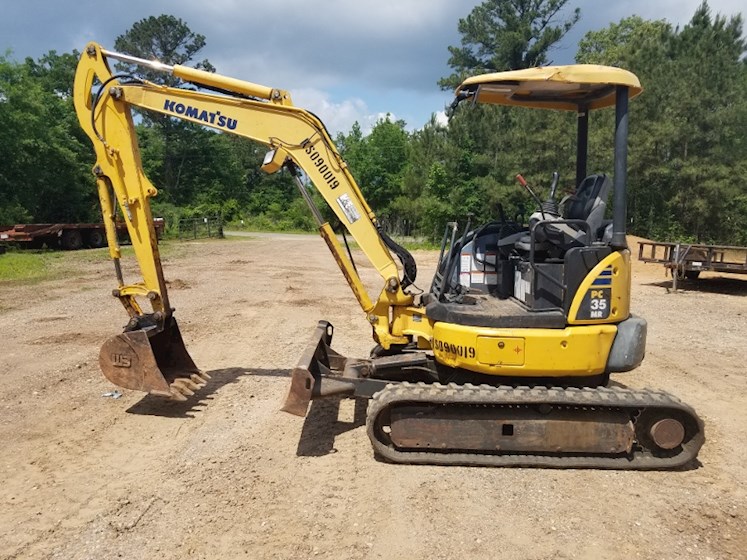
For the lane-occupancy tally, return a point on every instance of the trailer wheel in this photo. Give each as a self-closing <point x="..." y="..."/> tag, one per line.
<point x="71" y="239"/>
<point x="96" y="238"/>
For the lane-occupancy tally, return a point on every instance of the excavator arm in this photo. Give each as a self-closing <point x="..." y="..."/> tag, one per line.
<point x="297" y="139"/>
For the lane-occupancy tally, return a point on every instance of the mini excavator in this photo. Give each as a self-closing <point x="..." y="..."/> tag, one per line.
<point x="504" y="361"/>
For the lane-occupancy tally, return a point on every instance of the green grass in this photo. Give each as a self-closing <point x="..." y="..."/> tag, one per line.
<point x="27" y="265"/>
<point x="417" y="244"/>
<point x="261" y="226"/>
<point x="407" y="242"/>
<point x="33" y="266"/>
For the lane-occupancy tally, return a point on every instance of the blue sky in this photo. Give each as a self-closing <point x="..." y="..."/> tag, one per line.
<point x="344" y="60"/>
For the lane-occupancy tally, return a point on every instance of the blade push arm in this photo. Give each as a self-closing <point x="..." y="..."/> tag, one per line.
<point x="260" y="113"/>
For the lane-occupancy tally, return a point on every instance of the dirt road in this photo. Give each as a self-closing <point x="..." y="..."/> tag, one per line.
<point x="226" y="475"/>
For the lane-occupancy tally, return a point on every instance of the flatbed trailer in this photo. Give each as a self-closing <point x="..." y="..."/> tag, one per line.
<point x="688" y="260"/>
<point x="64" y="236"/>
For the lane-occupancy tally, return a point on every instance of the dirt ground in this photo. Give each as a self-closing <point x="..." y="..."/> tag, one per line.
<point x="226" y="475"/>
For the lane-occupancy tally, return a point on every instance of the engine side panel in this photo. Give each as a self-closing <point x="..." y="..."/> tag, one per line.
<point x="573" y="351"/>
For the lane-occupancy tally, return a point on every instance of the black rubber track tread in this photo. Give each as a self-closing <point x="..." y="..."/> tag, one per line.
<point x="600" y="397"/>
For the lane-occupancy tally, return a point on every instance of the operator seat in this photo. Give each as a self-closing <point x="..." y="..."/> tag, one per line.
<point x="588" y="204"/>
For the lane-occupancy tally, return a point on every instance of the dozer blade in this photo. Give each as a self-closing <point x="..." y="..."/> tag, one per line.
<point x="314" y="361"/>
<point x="153" y="361"/>
<point x="322" y="372"/>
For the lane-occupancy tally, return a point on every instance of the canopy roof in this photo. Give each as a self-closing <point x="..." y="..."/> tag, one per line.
<point x="567" y="88"/>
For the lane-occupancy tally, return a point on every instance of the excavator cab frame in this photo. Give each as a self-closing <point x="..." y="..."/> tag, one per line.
<point x="580" y="88"/>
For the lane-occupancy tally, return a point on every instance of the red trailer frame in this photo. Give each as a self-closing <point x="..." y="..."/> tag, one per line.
<point x="64" y="236"/>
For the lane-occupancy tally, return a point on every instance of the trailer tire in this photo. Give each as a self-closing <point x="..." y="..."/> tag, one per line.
<point x="71" y="239"/>
<point x="96" y="238"/>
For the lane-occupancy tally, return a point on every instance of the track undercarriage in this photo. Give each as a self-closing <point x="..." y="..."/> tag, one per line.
<point x="601" y="427"/>
<point x="428" y="422"/>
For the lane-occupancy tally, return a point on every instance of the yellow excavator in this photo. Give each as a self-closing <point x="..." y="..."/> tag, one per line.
<point x="504" y="361"/>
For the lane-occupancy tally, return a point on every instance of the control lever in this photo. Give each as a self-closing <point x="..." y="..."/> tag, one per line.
<point x="523" y="183"/>
<point x="554" y="184"/>
<point x="551" y="205"/>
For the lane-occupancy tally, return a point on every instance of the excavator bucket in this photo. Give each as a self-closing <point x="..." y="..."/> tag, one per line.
<point x="151" y="360"/>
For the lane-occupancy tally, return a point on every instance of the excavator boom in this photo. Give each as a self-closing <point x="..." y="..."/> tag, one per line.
<point x="150" y="354"/>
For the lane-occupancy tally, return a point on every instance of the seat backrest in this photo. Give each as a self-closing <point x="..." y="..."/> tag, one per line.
<point x="590" y="201"/>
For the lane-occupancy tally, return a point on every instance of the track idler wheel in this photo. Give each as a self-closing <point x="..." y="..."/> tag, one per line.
<point x="667" y="433"/>
<point x="663" y="432"/>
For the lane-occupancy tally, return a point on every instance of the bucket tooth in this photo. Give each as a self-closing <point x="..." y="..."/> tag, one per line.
<point x="197" y="380"/>
<point x="177" y="396"/>
<point x="187" y="382"/>
<point x="181" y="386"/>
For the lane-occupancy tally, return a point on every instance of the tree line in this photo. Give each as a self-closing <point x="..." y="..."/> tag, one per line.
<point x="688" y="146"/>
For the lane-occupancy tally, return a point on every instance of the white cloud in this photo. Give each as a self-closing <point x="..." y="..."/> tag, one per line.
<point x="441" y="118"/>
<point x="322" y="45"/>
<point x="681" y="11"/>
<point x="359" y="54"/>
<point x="345" y="60"/>
<point x="677" y="12"/>
<point x="333" y="18"/>
<point x="337" y="117"/>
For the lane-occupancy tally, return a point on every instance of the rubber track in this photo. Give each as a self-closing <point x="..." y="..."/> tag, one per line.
<point x="486" y="395"/>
